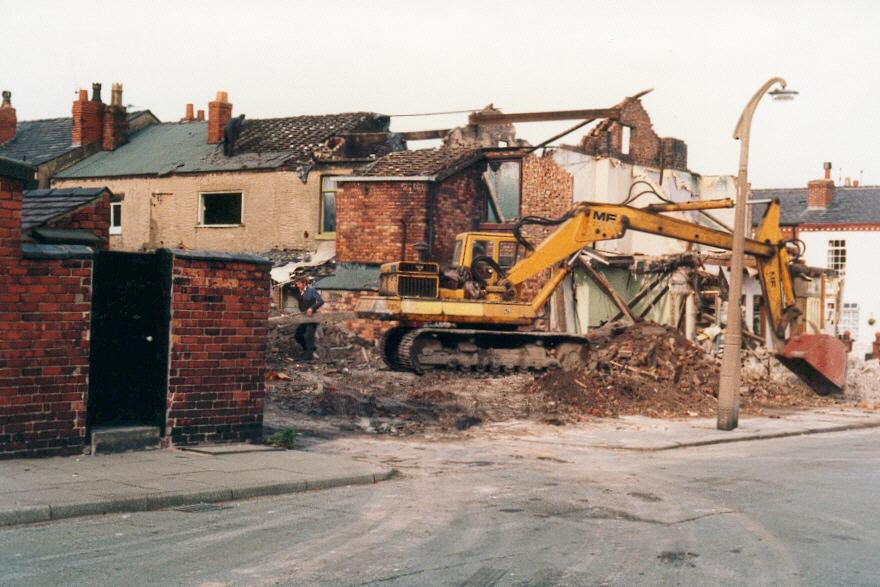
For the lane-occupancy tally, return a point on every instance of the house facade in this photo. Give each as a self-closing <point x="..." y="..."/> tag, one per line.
<point x="183" y="185"/>
<point x="839" y="227"/>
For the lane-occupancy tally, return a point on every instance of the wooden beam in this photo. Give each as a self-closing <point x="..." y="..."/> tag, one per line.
<point x="424" y="135"/>
<point x="499" y="118"/>
<point x="605" y="286"/>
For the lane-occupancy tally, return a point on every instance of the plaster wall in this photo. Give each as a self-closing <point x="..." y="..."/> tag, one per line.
<point x="278" y="210"/>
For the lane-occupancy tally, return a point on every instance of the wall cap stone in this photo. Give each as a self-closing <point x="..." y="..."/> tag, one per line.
<point x="45" y="251"/>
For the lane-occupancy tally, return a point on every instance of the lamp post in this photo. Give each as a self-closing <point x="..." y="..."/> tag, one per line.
<point x="731" y="364"/>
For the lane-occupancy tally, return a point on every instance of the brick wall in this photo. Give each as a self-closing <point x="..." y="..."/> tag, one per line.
<point x="645" y="147"/>
<point x="219" y="325"/>
<point x="548" y="191"/>
<point x="458" y="205"/>
<point x="380" y="221"/>
<point x="45" y="311"/>
<point x="95" y="217"/>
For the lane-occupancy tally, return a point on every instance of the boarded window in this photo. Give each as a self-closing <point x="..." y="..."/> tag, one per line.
<point x="504" y="178"/>
<point x="221" y="209"/>
<point x="328" y="204"/>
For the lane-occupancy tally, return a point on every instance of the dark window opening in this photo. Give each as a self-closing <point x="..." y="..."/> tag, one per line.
<point x="221" y="209"/>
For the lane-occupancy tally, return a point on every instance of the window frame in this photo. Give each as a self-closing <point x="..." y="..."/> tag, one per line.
<point x="201" y="210"/>
<point x="321" y="191"/>
<point x="836" y="255"/>
<point x="487" y="209"/>
<point x="115" y="229"/>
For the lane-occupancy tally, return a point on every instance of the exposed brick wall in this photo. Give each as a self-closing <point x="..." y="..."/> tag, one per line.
<point x="548" y="191"/>
<point x="219" y="325"/>
<point x="458" y="204"/>
<point x="381" y="221"/>
<point x="645" y="147"/>
<point x="95" y="217"/>
<point x="88" y="120"/>
<point x="45" y="312"/>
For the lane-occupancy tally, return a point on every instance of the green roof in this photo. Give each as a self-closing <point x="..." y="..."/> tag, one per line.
<point x="162" y="149"/>
<point x="351" y="277"/>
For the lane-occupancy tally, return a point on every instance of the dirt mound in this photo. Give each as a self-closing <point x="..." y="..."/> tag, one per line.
<point x="652" y="370"/>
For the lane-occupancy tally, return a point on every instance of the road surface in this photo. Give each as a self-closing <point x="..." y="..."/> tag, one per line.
<point x="518" y="510"/>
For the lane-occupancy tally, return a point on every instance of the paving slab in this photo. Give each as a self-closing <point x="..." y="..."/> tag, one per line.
<point x="39" y="490"/>
<point x="639" y="433"/>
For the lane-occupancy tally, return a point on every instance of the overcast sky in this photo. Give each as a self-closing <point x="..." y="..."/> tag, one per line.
<point x="703" y="59"/>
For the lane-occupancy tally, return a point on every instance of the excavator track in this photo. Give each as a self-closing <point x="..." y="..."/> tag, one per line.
<point x="390" y="346"/>
<point x="422" y="349"/>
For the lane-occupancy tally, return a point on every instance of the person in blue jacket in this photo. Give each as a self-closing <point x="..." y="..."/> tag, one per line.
<point x="309" y="302"/>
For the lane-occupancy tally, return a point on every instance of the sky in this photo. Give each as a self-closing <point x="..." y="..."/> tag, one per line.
<point x="704" y="61"/>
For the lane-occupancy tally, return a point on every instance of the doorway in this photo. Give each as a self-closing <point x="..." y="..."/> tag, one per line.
<point x="128" y="366"/>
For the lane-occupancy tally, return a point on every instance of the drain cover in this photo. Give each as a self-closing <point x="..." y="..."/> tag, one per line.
<point x="198" y="508"/>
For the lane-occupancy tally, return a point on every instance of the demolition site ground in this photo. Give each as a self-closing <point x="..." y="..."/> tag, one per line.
<point x="643" y="369"/>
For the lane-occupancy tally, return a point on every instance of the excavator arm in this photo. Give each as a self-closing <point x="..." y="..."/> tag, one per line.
<point x="593" y="222"/>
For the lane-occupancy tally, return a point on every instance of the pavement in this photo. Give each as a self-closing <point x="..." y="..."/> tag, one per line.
<point x="40" y="490"/>
<point x="638" y="433"/>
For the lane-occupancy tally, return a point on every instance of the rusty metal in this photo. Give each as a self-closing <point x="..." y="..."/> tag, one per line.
<point x="818" y="359"/>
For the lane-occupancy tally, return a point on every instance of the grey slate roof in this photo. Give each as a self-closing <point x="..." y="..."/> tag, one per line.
<point x="39" y="141"/>
<point x="17" y="170"/>
<point x="163" y="149"/>
<point x="435" y="163"/>
<point x="849" y="205"/>
<point x="40" y="206"/>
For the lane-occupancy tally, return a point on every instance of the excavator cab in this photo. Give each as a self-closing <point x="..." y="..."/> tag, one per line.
<point x="502" y="248"/>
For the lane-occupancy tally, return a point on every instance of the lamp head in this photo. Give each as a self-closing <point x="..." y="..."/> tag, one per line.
<point x="783" y="94"/>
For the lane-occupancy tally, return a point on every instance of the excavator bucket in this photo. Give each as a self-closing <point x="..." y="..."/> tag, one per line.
<point x="818" y="359"/>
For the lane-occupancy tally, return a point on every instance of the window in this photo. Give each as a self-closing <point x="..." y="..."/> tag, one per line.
<point x="328" y="204"/>
<point x="482" y="249"/>
<point x="116" y="218"/>
<point x="849" y="320"/>
<point x="624" y="140"/>
<point x="221" y="209"/>
<point x="837" y="255"/>
<point x="504" y="180"/>
<point x="507" y="253"/>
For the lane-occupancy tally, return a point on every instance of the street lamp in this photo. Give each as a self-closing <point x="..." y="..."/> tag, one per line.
<point x="731" y="362"/>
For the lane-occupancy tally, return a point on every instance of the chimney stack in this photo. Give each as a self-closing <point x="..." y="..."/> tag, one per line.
<point x="820" y="191"/>
<point x="219" y="113"/>
<point x="200" y="116"/>
<point x="855" y="183"/>
<point x="8" y="120"/>
<point x="88" y="118"/>
<point x="189" y="116"/>
<point x="115" y="121"/>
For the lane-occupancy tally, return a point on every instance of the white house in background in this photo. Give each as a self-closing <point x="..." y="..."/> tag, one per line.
<point x="840" y="227"/>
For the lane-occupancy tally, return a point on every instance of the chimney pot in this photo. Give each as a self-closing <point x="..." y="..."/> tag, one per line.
<point x="8" y="119"/>
<point x="855" y="183"/>
<point x="827" y="166"/>
<point x="200" y="115"/>
<point x="189" y="112"/>
<point x="96" y="92"/>
<point x="116" y="95"/>
<point x="83" y="95"/>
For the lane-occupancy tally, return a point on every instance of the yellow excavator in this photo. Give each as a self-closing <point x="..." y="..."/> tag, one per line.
<point x="469" y="316"/>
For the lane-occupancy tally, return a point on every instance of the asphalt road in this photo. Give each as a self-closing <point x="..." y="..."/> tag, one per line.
<point x="506" y="511"/>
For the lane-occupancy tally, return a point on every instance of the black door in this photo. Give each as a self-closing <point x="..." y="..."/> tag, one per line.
<point x="129" y="347"/>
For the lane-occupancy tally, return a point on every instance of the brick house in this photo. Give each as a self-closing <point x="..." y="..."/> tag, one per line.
<point x="840" y="229"/>
<point x="274" y="188"/>
<point x="53" y="144"/>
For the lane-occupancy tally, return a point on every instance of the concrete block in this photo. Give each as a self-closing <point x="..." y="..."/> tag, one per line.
<point x="25" y="515"/>
<point x="106" y="440"/>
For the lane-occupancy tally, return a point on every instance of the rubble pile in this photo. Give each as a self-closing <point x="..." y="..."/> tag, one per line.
<point x="652" y="370"/>
<point x="863" y="382"/>
<point x="644" y="369"/>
